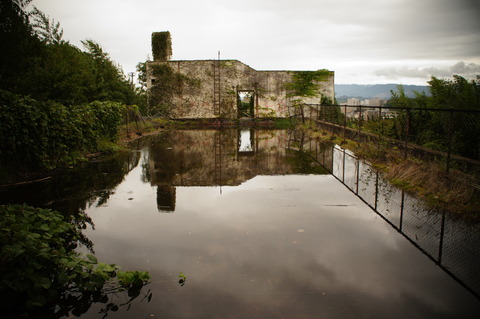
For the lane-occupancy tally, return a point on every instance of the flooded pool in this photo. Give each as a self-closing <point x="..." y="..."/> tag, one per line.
<point x="258" y="229"/>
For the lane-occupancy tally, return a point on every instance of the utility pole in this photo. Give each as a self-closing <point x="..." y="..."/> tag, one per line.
<point x="131" y="75"/>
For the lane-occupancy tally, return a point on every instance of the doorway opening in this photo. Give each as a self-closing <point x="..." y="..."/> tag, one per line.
<point x="246" y="103"/>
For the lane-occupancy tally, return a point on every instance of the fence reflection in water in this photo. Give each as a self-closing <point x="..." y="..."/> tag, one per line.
<point x="451" y="243"/>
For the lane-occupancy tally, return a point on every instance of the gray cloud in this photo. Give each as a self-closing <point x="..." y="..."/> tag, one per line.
<point x="282" y="34"/>
<point x="467" y="70"/>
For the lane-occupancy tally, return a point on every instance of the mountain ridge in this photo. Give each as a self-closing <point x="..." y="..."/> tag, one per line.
<point x="367" y="91"/>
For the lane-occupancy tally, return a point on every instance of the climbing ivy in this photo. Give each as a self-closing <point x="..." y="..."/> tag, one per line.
<point x="168" y="83"/>
<point x="305" y="83"/>
<point x="161" y="46"/>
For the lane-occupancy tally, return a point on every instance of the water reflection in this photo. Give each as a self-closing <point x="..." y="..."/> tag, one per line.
<point x="261" y="231"/>
<point x="450" y="242"/>
<point x="219" y="158"/>
<point x="73" y="190"/>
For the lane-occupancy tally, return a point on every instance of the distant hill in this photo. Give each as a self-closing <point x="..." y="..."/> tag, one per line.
<point x="382" y="91"/>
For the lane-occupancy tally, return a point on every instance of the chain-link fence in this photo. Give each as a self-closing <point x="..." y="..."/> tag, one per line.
<point x="451" y="137"/>
<point x="451" y="243"/>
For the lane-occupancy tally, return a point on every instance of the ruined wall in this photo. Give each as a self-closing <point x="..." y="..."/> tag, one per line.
<point x="195" y="97"/>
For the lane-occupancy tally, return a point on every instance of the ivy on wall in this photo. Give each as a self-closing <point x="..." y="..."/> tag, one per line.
<point x="306" y="83"/>
<point x="161" y="46"/>
<point x="168" y="83"/>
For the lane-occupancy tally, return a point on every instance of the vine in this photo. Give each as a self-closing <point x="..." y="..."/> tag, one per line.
<point x="306" y="83"/>
<point x="168" y="83"/>
<point x="161" y="46"/>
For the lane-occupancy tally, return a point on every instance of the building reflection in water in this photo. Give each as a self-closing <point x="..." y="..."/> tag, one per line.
<point x="219" y="158"/>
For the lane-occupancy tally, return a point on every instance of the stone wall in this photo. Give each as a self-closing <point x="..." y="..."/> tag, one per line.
<point x="195" y="97"/>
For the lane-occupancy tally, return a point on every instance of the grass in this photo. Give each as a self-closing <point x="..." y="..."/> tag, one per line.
<point x="454" y="192"/>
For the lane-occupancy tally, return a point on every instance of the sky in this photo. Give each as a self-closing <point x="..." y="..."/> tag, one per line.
<point x="364" y="42"/>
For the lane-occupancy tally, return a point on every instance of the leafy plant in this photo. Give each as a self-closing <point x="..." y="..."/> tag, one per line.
<point x="168" y="83"/>
<point x="182" y="280"/>
<point x="48" y="31"/>
<point x="161" y="46"/>
<point x="43" y="274"/>
<point x="305" y="83"/>
<point x="442" y="129"/>
<point x="47" y="134"/>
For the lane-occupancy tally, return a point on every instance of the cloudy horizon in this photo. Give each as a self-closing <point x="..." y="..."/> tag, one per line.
<point x="395" y="41"/>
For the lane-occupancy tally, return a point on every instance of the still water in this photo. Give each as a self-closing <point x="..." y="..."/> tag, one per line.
<point x="258" y="229"/>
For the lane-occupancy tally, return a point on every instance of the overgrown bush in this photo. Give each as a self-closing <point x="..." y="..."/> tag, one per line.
<point x="41" y="273"/>
<point x="442" y="129"/>
<point x="46" y="134"/>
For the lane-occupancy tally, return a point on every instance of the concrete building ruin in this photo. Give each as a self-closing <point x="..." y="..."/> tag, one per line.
<point x="228" y="88"/>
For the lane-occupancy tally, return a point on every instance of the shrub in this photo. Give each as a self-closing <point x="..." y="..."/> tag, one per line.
<point x="46" y="134"/>
<point x="43" y="274"/>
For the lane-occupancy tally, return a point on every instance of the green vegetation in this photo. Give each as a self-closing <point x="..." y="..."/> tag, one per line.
<point x="39" y="135"/>
<point x="57" y="102"/>
<point x="447" y="121"/>
<point x="42" y="274"/>
<point x="35" y="61"/>
<point x="161" y="46"/>
<point x="305" y="83"/>
<point x="424" y="179"/>
<point x="246" y="104"/>
<point x="448" y="130"/>
<point x="168" y="83"/>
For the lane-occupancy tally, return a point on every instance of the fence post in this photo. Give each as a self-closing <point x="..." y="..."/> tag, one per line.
<point x="358" y="174"/>
<point x="376" y="191"/>
<point x="359" y="121"/>
<point x="442" y="234"/>
<point x="380" y="122"/>
<point x="311" y="110"/>
<point x="407" y="133"/>
<point x="450" y="138"/>
<point x="126" y="120"/>
<point x="402" y="205"/>
<point x="323" y="155"/>
<point x="345" y="122"/>
<point x="333" y="158"/>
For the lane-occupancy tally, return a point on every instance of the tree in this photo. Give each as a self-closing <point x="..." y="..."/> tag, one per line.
<point x="142" y="75"/>
<point x="20" y="49"/>
<point x="46" y="30"/>
<point x="448" y="130"/>
<point x="110" y="82"/>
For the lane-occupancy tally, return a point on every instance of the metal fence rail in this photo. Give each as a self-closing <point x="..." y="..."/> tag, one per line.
<point x="447" y="136"/>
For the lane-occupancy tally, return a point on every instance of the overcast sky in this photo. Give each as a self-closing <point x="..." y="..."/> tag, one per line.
<point x="364" y="42"/>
